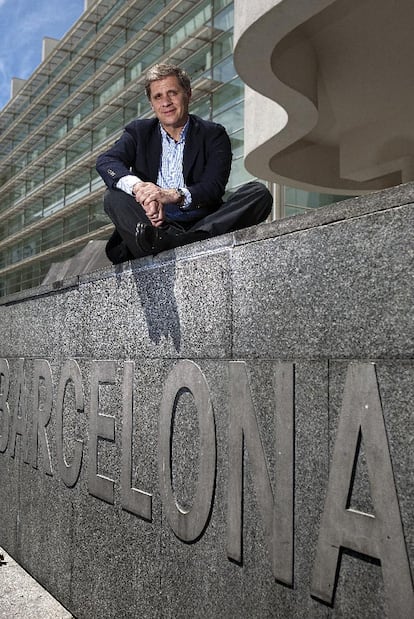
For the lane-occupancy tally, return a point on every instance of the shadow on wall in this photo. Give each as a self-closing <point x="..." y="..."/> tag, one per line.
<point x="159" y="303"/>
<point x="155" y="293"/>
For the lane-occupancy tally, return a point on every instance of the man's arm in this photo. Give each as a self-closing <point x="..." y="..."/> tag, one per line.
<point x="118" y="160"/>
<point x="115" y="166"/>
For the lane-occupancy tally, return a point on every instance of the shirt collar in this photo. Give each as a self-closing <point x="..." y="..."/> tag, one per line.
<point x="183" y="133"/>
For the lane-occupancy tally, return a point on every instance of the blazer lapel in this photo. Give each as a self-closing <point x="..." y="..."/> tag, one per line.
<point x="154" y="153"/>
<point x="192" y="146"/>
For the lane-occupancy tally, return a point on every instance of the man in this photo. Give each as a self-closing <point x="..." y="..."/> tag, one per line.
<point x="166" y="176"/>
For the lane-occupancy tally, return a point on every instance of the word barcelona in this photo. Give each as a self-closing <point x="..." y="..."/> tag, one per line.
<point x="380" y="536"/>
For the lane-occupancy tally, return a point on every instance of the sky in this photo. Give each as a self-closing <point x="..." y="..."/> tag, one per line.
<point x="23" y="24"/>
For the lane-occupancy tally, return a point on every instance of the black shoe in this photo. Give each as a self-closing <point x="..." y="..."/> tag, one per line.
<point x="151" y="240"/>
<point x="116" y="249"/>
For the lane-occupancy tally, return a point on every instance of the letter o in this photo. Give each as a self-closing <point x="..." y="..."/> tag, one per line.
<point x="188" y="525"/>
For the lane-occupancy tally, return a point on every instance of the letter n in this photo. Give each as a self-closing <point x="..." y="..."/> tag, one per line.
<point x="277" y="514"/>
<point x="380" y="535"/>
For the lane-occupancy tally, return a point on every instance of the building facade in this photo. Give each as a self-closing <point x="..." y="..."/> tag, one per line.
<point x="88" y="86"/>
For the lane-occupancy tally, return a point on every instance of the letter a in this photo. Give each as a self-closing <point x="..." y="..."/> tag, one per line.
<point x="380" y="535"/>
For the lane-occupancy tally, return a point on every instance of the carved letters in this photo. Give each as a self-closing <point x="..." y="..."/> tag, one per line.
<point x="4" y="404"/>
<point x="277" y="515"/>
<point x="28" y="413"/>
<point x="69" y="471"/>
<point x="42" y="411"/>
<point x="188" y="525"/>
<point x="134" y="500"/>
<point x="380" y="535"/>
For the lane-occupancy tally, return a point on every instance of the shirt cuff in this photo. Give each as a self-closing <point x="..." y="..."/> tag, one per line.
<point x="127" y="182"/>
<point x="187" y="199"/>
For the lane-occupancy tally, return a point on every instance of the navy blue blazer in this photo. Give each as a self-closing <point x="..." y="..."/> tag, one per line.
<point x="206" y="159"/>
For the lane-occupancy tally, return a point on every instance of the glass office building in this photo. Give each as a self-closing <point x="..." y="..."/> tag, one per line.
<point x="74" y="106"/>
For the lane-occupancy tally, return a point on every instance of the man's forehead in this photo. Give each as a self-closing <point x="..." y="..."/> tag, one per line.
<point x="170" y="81"/>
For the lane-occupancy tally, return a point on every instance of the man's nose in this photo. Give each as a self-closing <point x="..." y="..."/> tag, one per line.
<point x="166" y="100"/>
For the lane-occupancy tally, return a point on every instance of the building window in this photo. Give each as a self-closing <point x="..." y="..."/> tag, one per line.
<point x="297" y="201"/>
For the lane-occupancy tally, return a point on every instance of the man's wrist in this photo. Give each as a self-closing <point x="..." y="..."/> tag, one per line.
<point x="133" y="190"/>
<point x="126" y="183"/>
<point x="181" y="196"/>
<point x="184" y="198"/>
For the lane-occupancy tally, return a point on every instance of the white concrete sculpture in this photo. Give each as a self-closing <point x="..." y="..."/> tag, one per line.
<point x="330" y="94"/>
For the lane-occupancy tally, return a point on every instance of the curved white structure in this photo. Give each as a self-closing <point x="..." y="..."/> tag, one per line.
<point x="330" y="95"/>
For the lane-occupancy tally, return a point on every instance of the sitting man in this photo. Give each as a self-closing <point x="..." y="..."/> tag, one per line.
<point x="166" y="176"/>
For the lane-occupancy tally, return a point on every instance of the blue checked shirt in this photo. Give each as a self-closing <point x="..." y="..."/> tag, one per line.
<point x="170" y="174"/>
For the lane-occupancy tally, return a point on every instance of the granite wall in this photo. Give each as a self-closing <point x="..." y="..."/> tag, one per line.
<point x="224" y="430"/>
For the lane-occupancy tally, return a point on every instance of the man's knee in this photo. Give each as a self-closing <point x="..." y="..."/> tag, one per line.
<point x="107" y="201"/>
<point x="267" y="199"/>
<point x="256" y="188"/>
<point x="261" y="190"/>
<point x="116" y="203"/>
<point x="263" y="198"/>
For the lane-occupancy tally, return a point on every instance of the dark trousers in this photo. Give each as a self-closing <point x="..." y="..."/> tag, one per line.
<point x="247" y="206"/>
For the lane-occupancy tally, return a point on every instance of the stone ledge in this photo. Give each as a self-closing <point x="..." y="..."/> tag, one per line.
<point x="303" y="342"/>
<point x="351" y="208"/>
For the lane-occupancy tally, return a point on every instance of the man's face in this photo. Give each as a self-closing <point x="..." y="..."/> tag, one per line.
<point x="170" y="102"/>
